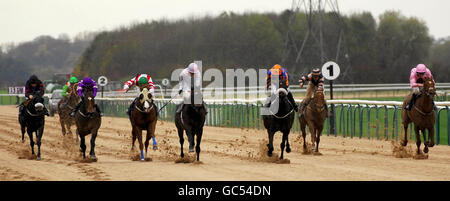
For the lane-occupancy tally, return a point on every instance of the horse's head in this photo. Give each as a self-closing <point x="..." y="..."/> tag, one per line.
<point x="285" y="105"/>
<point x="319" y="97"/>
<point x="145" y="100"/>
<point x="36" y="102"/>
<point x="429" y="88"/>
<point x="89" y="101"/>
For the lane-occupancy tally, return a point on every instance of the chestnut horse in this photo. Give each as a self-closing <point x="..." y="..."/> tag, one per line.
<point x="88" y="121"/>
<point x="314" y="116"/>
<point x="422" y="115"/>
<point x="143" y="117"/>
<point x="65" y="107"/>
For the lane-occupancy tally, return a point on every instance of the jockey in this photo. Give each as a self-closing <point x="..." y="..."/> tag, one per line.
<point x="71" y="82"/>
<point x="142" y="81"/>
<point x="277" y="70"/>
<point x="316" y="80"/>
<point x="416" y="79"/>
<point x="185" y="82"/>
<point x="33" y="85"/>
<point x="87" y="82"/>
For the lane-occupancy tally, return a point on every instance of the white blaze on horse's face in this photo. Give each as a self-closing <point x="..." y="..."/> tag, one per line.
<point x="89" y="98"/>
<point x="39" y="106"/>
<point x="282" y="90"/>
<point x="145" y="99"/>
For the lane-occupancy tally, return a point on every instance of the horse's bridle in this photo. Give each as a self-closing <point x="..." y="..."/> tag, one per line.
<point x="135" y="106"/>
<point x="290" y="112"/>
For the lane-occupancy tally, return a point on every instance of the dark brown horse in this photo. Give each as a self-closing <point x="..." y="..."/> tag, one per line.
<point x="191" y="119"/>
<point x="314" y="116"/>
<point x="143" y="117"/>
<point x="281" y="120"/>
<point x="32" y="120"/>
<point x="422" y="115"/>
<point x="65" y="107"/>
<point x="88" y="121"/>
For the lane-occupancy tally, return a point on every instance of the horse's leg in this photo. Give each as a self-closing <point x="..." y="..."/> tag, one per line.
<point x="197" y="147"/>
<point x="150" y="134"/>
<point x="134" y="136"/>
<point x="68" y="125"/>
<point x="313" y="136"/>
<point x="283" y="144"/>
<point x="303" y="128"/>
<point x="22" y="128"/>
<point x="190" y="135"/>
<point x="405" y="138"/>
<point x="63" y="128"/>
<point x="425" y="141"/>
<point x="270" y="145"/>
<point x="39" y="134"/>
<point x="78" y="135"/>
<point x="83" y="146"/>
<point x="431" y="136"/>
<point x="318" y="133"/>
<point x="288" y="146"/>
<point x="30" y="135"/>
<point x="92" y="152"/>
<point x="180" y="135"/>
<point x="416" y="130"/>
<point x="141" y="145"/>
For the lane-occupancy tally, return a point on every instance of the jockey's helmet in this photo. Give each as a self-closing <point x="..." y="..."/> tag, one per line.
<point x="421" y="68"/>
<point x="193" y="68"/>
<point x="73" y="80"/>
<point x="87" y="81"/>
<point x="143" y="81"/>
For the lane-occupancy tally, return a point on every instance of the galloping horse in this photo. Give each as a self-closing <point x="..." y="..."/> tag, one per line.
<point x="191" y="119"/>
<point x="314" y="116"/>
<point x="88" y="121"/>
<point x="422" y="115"/>
<point x="143" y="117"/>
<point x="65" y="107"/>
<point x="33" y="119"/>
<point x="281" y="121"/>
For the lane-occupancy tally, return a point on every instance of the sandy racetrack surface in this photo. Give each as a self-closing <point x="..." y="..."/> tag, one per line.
<point x="227" y="154"/>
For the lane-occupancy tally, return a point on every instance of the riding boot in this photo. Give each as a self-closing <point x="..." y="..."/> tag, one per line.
<point x="21" y="106"/>
<point x="75" y="109"/>
<point x="97" y="108"/>
<point x="303" y="106"/>
<point x="291" y="99"/>
<point x="131" y="107"/>
<point x="204" y="106"/>
<point x="180" y="108"/>
<point x="411" y="102"/>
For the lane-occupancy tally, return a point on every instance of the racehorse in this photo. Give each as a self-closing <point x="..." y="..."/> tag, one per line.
<point x="191" y="119"/>
<point x="281" y="121"/>
<point x="314" y="116"/>
<point x="32" y="118"/>
<point x="65" y="107"/>
<point x="88" y="121"/>
<point x="422" y="115"/>
<point x="143" y="117"/>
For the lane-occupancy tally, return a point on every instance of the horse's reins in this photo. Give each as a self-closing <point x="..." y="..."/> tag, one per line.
<point x="276" y="116"/>
<point x="167" y="103"/>
<point x="135" y="106"/>
<point x="34" y="115"/>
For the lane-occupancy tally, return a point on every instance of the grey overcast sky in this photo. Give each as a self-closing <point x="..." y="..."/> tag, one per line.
<point x="23" y="20"/>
